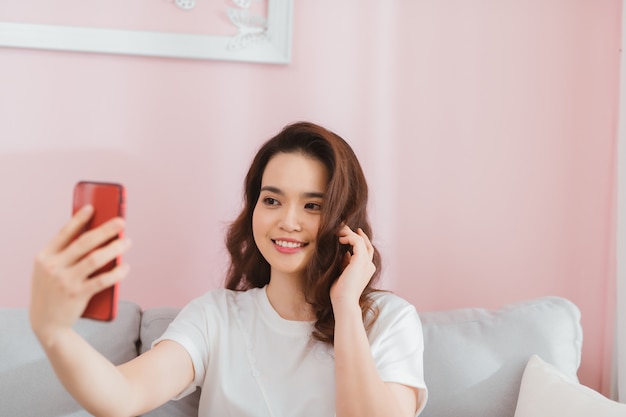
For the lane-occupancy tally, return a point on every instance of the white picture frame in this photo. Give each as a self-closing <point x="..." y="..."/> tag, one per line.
<point x="275" y="48"/>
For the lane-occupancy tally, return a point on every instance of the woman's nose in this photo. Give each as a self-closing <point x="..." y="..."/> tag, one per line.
<point x="290" y="220"/>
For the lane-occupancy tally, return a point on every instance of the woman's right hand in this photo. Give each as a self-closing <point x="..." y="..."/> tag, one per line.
<point x="61" y="288"/>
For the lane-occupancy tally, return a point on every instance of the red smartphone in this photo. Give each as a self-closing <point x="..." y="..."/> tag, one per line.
<point x="108" y="201"/>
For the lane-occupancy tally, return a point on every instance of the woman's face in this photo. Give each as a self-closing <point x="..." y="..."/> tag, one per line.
<point x="286" y="217"/>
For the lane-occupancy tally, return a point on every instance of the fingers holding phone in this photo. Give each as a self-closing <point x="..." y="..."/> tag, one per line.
<point x="69" y="231"/>
<point x="91" y="255"/>
<point x="82" y="261"/>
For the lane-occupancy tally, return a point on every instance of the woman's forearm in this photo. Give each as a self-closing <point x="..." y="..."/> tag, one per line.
<point x="359" y="389"/>
<point x="89" y="377"/>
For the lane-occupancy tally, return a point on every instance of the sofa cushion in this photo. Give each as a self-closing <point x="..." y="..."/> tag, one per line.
<point x="153" y="325"/>
<point x="28" y="385"/>
<point x="547" y="392"/>
<point x="474" y="358"/>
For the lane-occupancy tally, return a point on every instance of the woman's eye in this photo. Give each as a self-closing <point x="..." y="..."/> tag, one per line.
<point x="270" y="201"/>
<point x="313" y="206"/>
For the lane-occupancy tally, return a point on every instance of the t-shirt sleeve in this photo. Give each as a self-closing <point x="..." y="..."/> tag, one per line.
<point x="191" y="329"/>
<point x="397" y="344"/>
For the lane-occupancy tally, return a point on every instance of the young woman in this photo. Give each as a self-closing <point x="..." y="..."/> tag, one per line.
<point x="299" y="329"/>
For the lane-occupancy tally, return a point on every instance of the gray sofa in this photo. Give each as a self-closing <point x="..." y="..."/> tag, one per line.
<point x="474" y="358"/>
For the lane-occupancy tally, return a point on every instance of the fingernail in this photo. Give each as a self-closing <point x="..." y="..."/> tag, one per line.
<point x="124" y="269"/>
<point x="119" y="222"/>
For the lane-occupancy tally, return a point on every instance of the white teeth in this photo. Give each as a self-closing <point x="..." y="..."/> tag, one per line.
<point x="288" y="244"/>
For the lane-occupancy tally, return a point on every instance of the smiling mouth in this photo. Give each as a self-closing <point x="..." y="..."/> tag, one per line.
<point x="289" y="245"/>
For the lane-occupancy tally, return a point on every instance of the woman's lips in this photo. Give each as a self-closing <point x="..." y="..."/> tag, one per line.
<point x="288" y="246"/>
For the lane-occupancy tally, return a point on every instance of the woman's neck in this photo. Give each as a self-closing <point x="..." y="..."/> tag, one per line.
<point x="286" y="295"/>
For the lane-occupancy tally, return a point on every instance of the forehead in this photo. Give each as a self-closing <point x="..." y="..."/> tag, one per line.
<point x="295" y="172"/>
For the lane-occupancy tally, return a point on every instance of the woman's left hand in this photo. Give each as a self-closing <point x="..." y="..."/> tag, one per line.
<point x="358" y="267"/>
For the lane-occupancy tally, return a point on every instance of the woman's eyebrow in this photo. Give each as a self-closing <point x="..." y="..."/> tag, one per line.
<point x="271" y="189"/>
<point x="276" y="190"/>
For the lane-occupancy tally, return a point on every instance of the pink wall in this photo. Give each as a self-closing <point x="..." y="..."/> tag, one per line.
<point x="487" y="130"/>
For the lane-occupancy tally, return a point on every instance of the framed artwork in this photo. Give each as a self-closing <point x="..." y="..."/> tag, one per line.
<point x="232" y="30"/>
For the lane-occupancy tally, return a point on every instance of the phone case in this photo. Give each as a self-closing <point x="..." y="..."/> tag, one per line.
<point x="108" y="200"/>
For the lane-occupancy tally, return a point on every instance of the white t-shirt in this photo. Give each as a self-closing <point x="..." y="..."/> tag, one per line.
<point x="249" y="361"/>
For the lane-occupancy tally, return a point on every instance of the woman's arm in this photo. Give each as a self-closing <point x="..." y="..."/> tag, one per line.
<point x="131" y="389"/>
<point x="359" y="389"/>
<point x="60" y="291"/>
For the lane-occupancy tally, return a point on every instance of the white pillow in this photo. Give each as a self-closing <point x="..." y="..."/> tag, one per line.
<point x="546" y="392"/>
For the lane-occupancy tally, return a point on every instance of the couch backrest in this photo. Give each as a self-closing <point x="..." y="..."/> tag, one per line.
<point x="474" y="358"/>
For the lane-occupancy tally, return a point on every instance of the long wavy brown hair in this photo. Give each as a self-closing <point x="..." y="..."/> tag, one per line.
<point x="345" y="202"/>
